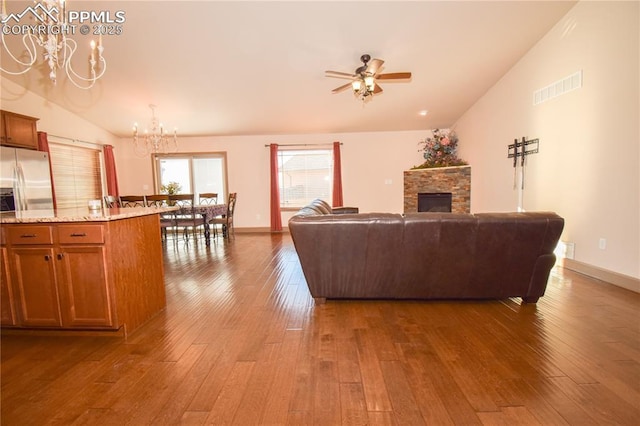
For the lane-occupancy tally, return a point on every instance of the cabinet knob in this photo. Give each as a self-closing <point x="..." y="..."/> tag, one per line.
<point x="60" y="256"/>
<point x="47" y="257"/>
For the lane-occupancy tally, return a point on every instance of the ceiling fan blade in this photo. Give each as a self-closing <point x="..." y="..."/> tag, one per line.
<point x="377" y="89"/>
<point x="341" y="88"/>
<point x="394" y="76"/>
<point x="374" y="65"/>
<point x="338" y="74"/>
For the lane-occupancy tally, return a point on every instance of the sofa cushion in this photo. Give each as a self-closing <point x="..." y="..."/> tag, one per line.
<point x="322" y="206"/>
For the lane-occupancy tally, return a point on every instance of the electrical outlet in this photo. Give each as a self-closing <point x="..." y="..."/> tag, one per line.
<point x="602" y="244"/>
<point x="388" y="181"/>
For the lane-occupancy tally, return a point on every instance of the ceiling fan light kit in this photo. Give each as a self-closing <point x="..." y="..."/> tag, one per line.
<point x="363" y="80"/>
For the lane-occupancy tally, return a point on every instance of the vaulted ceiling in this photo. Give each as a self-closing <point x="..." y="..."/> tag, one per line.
<point x="246" y="68"/>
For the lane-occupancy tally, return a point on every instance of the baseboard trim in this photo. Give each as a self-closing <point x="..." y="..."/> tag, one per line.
<point x="621" y="280"/>
<point x="259" y="230"/>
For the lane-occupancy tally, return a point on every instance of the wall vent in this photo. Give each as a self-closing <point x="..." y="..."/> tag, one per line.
<point x="565" y="250"/>
<point x="560" y="87"/>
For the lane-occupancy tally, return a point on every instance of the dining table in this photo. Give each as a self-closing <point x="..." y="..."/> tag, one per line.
<point x="207" y="212"/>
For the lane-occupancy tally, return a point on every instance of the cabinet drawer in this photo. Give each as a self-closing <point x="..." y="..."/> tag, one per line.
<point x="30" y="234"/>
<point x="81" y="234"/>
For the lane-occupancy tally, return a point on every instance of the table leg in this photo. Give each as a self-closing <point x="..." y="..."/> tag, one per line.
<point x="224" y="229"/>
<point x="207" y="233"/>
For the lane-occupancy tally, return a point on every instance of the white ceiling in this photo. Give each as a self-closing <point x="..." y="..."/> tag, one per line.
<point x="246" y="68"/>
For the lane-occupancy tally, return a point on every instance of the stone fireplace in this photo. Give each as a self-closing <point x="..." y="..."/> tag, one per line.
<point x="440" y="181"/>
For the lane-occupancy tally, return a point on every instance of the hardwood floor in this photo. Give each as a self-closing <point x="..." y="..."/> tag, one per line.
<point x="241" y="342"/>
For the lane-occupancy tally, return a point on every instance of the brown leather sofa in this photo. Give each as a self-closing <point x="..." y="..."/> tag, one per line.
<point x="425" y="255"/>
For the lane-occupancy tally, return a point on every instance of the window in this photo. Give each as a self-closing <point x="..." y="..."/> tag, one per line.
<point x="77" y="175"/>
<point x="195" y="173"/>
<point x="304" y="175"/>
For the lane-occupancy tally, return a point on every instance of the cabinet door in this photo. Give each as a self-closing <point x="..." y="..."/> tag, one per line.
<point x="19" y="130"/>
<point x="7" y="306"/>
<point x="85" y="294"/>
<point x="35" y="275"/>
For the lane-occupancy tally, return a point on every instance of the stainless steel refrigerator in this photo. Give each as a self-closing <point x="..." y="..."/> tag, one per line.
<point x="25" y="180"/>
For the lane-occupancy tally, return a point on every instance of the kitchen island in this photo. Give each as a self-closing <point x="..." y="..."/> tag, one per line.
<point x="81" y="269"/>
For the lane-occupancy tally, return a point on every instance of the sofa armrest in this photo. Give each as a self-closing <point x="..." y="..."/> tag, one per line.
<point x="344" y="210"/>
<point x="539" y="278"/>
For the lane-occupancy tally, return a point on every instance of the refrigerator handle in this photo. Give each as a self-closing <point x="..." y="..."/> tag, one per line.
<point x="21" y="184"/>
<point x="16" y="188"/>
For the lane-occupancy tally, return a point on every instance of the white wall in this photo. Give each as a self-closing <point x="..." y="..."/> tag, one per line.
<point x="369" y="161"/>
<point x="588" y="166"/>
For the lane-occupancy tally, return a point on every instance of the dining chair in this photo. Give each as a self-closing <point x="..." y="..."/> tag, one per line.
<point x="227" y="220"/>
<point x="157" y="200"/>
<point x="133" y="201"/>
<point x="111" y="201"/>
<point x="166" y="220"/>
<point x="208" y="198"/>
<point x="185" y="218"/>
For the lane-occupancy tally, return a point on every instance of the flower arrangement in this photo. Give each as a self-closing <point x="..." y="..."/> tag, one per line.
<point x="440" y="150"/>
<point x="171" y="188"/>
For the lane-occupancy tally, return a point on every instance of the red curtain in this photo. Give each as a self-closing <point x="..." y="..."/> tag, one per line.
<point x="337" y="176"/>
<point x="43" y="145"/>
<point x="276" y="219"/>
<point x="110" y="171"/>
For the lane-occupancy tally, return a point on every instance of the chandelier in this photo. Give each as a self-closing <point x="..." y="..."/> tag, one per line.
<point x="158" y="141"/>
<point x="50" y="33"/>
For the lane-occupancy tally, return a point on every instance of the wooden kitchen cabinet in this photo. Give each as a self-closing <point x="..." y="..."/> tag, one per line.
<point x="93" y="275"/>
<point x="18" y="130"/>
<point x="37" y="286"/>
<point x="84" y="289"/>
<point x="7" y="300"/>
<point x="61" y="277"/>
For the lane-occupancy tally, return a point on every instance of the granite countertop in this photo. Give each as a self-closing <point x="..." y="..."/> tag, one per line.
<point x="80" y="214"/>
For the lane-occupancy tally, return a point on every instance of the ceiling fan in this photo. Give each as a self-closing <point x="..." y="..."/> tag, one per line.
<point x="363" y="80"/>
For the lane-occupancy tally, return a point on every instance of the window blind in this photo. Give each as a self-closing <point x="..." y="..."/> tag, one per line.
<point x="76" y="174"/>
<point x="304" y="175"/>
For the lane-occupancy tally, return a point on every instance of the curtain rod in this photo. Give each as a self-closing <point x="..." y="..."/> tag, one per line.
<point x="302" y="144"/>
<point x="87" y="144"/>
<point x="67" y="138"/>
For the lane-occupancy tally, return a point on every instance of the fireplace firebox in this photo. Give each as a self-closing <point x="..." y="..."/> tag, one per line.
<point x="434" y="202"/>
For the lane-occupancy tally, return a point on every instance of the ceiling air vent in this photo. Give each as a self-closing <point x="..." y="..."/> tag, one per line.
<point x="560" y="87"/>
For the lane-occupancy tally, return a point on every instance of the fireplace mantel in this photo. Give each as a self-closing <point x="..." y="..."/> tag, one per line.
<point x="456" y="180"/>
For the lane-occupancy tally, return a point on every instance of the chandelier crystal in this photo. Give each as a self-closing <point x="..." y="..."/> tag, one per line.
<point x="157" y="140"/>
<point x="50" y="33"/>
